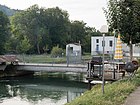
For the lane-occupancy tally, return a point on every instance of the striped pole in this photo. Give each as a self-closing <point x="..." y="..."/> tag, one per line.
<point x="118" y="51"/>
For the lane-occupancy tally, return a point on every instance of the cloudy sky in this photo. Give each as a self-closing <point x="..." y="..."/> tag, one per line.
<point x="90" y="11"/>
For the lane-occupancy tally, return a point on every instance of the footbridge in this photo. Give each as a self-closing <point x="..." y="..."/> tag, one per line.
<point x="77" y="68"/>
<point x="12" y="63"/>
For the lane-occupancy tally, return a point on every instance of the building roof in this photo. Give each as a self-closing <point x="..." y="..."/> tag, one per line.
<point x="102" y="36"/>
<point x="77" y="44"/>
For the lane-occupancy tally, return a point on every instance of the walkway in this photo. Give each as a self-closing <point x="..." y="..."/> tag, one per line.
<point x="77" y="68"/>
<point x="133" y="98"/>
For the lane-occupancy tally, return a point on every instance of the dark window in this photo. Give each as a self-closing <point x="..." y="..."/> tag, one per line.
<point x="71" y="49"/>
<point x="102" y="43"/>
<point x="97" y="40"/>
<point x="110" y="43"/>
<point x="97" y="48"/>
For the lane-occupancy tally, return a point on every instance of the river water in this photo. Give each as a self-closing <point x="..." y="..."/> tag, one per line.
<point x="41" y="89"/>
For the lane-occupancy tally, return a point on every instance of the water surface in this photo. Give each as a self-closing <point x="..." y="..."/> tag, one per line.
<point x="50" y="89"/>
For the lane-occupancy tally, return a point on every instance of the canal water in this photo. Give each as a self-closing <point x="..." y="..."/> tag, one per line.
<point x="41" y="89"/>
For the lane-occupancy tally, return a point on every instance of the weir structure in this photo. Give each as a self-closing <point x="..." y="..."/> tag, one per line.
<point x="10" y="65"/>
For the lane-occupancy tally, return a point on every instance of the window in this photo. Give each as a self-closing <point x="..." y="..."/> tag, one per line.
<point x="97" y="48"/>
<point x="71" y="49"/>
<point x="102" y="43"/>
<point x="110" y="43"/>
<point x="97" y="40"/>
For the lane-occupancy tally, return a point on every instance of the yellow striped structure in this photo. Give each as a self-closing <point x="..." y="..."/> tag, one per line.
<point x="118" y="50"/>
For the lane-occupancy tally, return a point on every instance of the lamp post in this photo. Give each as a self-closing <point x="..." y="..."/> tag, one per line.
<point x="114" y="52"/>
<point x="103" y="30"/>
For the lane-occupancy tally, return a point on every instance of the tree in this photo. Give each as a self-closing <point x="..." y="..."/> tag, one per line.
<point x="4" y="31"/>
<point x="57" y="21"/>
<point x="28" y="22"/>
<point x="125" y="16"/>
<point x="41" y="26"/>
<point x="49" y="27"/>
<point x="11" y="45"/>
<point x="24" y="45"/>
<point x="77" y="32"/>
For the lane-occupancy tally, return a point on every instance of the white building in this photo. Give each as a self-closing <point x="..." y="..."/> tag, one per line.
<point x="97" y="45"/>
<point x="110" y="44"/>
<point x="73" y="49"/>
<point x="73" y="53"/>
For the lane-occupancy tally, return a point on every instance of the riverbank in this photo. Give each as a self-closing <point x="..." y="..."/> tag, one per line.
<point x="115" y="93"/>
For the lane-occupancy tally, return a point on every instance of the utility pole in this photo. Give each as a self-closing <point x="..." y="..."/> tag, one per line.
<point x="103" y="30"/>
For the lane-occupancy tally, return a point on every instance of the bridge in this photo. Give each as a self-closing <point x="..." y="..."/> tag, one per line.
<point x="45" y="67"/>
<point x="11" y="62"/>
<point x="77" y="68"/>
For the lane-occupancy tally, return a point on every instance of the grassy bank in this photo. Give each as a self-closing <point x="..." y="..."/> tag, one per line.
<point x="46" y="58"/>
<point x="115" y="93"/>
<point x="41" y="59"/>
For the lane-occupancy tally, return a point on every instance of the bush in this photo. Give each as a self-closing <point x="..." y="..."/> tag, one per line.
<point x="57" y="52"/>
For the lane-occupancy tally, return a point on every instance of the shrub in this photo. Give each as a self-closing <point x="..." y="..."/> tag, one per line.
<point x="57" y="52"/>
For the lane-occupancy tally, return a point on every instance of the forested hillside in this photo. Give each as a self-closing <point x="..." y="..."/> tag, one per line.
<point x="7" y="11"/>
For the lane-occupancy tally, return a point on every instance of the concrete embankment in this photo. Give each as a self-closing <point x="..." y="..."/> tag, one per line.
<point x="10" y="70"/>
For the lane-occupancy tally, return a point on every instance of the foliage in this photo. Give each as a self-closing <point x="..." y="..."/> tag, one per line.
<point x="77" y="31"/>
<point x="4" y="31"/>
<point x="7" y="11"/>
<point x="56" y="51"/>
<point x="24" y="45"/>
<point x="130" y="21"/>
<point x="11" y="45"/>
<point x="80" y="33"/>
<point x="115" y="93"/>
<point x="124" y="16"/>
<point x="41" y="26"/>
<point x="47" y="27"/>
<point x="57" y="21"/>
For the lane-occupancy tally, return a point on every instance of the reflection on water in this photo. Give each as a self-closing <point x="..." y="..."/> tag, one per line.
<point x="50" y="89"/>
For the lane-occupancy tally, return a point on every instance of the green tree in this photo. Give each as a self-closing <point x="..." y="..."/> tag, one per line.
<point x="77" y="32"/>
<point x="49" y="27"/>
<point x="29" y="23"/>
<point x="11" y="45"/>
<point x="125" y="16"/>
<point x="57" y="21"/>
<point x="41" y="26"/>
<point x="4" y="31"/>
<point x="24" y="45"/>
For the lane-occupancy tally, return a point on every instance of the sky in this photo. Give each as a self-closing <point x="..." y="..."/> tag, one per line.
<point x="89" y="11"/>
